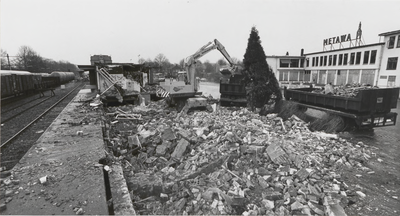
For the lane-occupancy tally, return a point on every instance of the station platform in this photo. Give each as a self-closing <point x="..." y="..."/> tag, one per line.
<point x="61" y="173"/>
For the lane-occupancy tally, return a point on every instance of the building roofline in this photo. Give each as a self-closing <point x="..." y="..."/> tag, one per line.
<point x="389" y="33"/>
<point x="375" y="44"/>
<point x="283" y="56"/>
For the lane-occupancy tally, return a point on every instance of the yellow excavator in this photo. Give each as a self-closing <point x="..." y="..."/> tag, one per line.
<point x="185" y="94"/>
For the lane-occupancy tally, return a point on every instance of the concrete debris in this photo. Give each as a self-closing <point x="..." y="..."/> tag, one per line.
<point x="43" y="180"/>
<point x="348" y="90"/>
<point x="231" y="161"/>
<point x="3" y="207"/>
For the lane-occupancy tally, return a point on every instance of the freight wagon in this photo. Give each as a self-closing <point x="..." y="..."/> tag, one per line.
<point x="14" y="83"/>
<point x="369" y="108"/>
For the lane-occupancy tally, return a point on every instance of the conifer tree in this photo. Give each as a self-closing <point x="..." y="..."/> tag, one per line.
<point x="261" y="83"/>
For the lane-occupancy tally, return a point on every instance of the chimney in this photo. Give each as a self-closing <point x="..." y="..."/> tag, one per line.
<point x="302" y="52"/>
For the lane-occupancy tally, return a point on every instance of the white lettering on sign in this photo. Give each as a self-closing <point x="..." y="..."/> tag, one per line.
<point x="337" y="39"/>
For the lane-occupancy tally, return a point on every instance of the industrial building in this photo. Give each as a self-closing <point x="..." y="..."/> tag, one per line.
<point x="344" y="61"/>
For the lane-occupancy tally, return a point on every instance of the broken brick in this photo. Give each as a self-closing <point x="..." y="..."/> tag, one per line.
<point x="180" y="149"/>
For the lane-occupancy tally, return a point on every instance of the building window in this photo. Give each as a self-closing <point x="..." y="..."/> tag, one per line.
<point x="358" y="57"/>
<point x="321" y="60"/>
<point x="325" y="60"/>
<point x="391" y="81"/>
<point x="284" y="63"/>
<point x="340" y="59"/>
<point x="345" y="58"/>
<point x="373" y="57"/>
<point x="294" y="63"/>
<point x="308" y="62"/>
<point x="366" y="57"/>
<point x="352" y="56"/>
<point x="392" y="63"/>
<point x="391" y="42"/>
<point x="330" y="60"/>
<point x="334" y="60"/>
<point x="398" y="41"/>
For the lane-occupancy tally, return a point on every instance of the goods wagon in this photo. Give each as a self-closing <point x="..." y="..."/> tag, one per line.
<point x="63" y="77"/>
<point x="14" y="83"/>
<point x="368" y="108"/>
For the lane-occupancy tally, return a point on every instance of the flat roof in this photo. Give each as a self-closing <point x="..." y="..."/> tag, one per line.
<point x="390" y="33"/>
<point x="283" y="56"/>
<point x="349" y="48"/>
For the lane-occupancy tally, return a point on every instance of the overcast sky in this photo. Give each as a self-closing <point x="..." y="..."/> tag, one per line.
<point x="73" y="30"/>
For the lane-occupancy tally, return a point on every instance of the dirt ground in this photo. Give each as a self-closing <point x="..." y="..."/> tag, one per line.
<point x="382" y="183"/>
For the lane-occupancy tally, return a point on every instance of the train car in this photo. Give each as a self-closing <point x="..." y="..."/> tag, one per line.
<point x="48" y="81"/>
<point x="63" y="77"/>
<point x="14" y="83"/>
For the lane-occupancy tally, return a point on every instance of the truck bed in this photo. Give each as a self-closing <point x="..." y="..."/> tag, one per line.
<point x="378" y="100"/>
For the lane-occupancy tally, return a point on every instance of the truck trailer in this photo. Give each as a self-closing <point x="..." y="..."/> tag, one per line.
<point x="370" y="107"/>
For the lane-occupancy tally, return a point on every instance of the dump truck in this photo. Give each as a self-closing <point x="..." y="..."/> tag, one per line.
<point x="233" y="91"/>
<point x="370" y="107"/>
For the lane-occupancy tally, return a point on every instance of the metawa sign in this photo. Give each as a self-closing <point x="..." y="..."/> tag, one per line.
<point x="338" y="39"/>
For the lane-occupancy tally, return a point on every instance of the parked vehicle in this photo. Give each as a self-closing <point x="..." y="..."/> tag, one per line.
<point x="368" y="108"/>
<point x="233" y="91"/>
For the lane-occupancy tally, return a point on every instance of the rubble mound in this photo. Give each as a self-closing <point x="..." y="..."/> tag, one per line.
<point x="328" y="123"/>
<point x="230" y="161"/>
<point x="348" y="90"/>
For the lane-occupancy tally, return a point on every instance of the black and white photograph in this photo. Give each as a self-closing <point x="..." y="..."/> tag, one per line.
<point x="200" y="107"/>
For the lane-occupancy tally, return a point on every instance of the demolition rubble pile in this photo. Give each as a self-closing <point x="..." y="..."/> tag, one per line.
<point x="344" y="91"/>
<point x="230" y="161"/>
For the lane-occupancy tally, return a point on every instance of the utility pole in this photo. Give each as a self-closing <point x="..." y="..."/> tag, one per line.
<point x="8" y="59"/>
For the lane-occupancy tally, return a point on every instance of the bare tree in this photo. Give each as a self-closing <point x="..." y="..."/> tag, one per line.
<point x="28" y="59"/>
<point x="4" y="60"/>
<point x="161" y="59"/>
<point x="142" y="60"/>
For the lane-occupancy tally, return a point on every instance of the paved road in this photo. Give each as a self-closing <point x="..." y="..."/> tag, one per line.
<point x="209" y="88"/>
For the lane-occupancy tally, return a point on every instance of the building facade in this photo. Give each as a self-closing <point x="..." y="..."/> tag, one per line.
<point x="289" y="69"/>
<point x="358" y="63"/>
<point x="389" y="74"/>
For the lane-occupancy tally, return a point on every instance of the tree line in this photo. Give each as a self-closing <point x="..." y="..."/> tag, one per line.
<point x="259" y="79"/>
<point x="206" y="69"/>
<point x="28" y="59"/>
<point x="262" y="87"/>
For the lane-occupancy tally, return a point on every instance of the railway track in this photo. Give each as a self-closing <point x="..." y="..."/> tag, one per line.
<point x="22" y="112"/>
<point x="15" y="107"/>
<point x="11" y="152"/>
<point x="40" y="116"/>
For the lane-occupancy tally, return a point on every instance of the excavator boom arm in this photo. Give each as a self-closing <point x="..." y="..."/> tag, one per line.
<point x="191" y="60"/>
